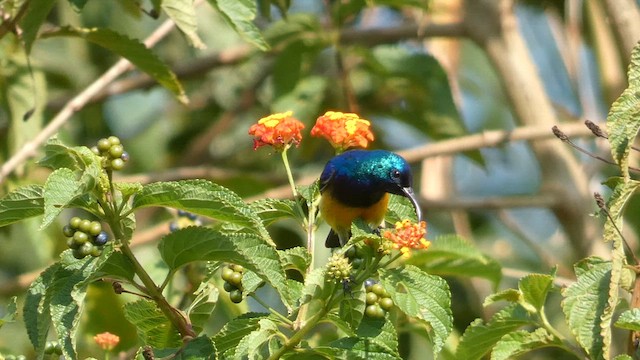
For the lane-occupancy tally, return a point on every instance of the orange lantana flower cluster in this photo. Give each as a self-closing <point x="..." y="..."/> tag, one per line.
<point x="106" y="340"/>
<point x="278" y="130"/>
<point x="343" y="130"/>
<point x="407" y="236"/>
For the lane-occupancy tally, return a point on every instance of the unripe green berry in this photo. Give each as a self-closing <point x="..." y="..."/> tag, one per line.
<point x="86" y="249"/>
<point x="227" y="273"/>
<point x="350" y="252"/>
<point x="371" y="298"/>
<point x="94" y="228"/>
<point x="237" y="268"/>
<point x="379" y="290"/>
<point x="77" y="253"/>
<point x="104" y="145"/>
<point x="68" y="231"/>
<point x="49" y="348"/>
<point x="357" y="263"/>
<point x="228" y="287"/>
<point x="80" y="237"/>
<point x="117" y="164"/>
<point x="235" y="296"/>
<point x="95" y="150"/>
<point x="21" y="357"/>
<point x="236" y="279"/>
<point x="95" y="251"/>
<point x="85" y="225"/>
<point x="374" y="311"/>
<point x="74" y="222"/>
<point x="385" y="303"/>
<point x="369" y="283"/>
<point x="116" y="151"/>
<point x="114" y="140"/>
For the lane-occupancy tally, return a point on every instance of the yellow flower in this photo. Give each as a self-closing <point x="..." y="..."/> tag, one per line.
<point x="106" y="340"/>
<point x="278" y="130"/>
<point x="343" y="130"/>
<point x="407" y="236"/>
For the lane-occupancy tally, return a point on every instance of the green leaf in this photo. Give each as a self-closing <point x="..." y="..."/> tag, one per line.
<point x="296" y="258"/>
<point x="629" y="320"/>
<point x="400" y="208"/>
<point x="352" y="307"/>
<point x="534" y="288"/>
<point x="21" y="204"/>
<point x="60" y="190"/>
<point x="623" y="357"/>
<point x="77" y="5"/>
<point x="134" y="51"/>
<point x="422" y="296"/>
<point x="479" y="338"/>
<point x="239" y="14"/>
<point x="200" y="348"/>
<point x="116" y="265"/>
<point x="10" y="313"/>
<point x="37" y="317"/>
<point x="249" y="250"/>
<point x="452" y="255"/>
<point x="510" y="295"/>
<point x="33" y="18"/>
<point x="520" y="342"/>
<point x="203" y="305"/>
<point x="228" y="338"/>
<point x="250" y="345"/>
<point x="380" y="331"/>
<point x="204" y="198"/>
<point x="623" y="120"/>
<point x="153" y="327"/>
<point x="183" y="13"/>
<point x="272" y="210"/>
<point x="585" y="302"/>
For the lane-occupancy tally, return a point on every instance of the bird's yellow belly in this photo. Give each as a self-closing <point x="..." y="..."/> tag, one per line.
<point x="340" y="216"/>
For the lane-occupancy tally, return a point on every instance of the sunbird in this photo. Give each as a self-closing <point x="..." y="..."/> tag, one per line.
<point x="357" y="184"/>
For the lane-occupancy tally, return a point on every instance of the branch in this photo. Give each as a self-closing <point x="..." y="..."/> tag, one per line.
<point x="625" y="16"/>
<point x="29" y="149"/>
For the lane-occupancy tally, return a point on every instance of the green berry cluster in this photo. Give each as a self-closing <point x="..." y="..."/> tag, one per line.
<point x="112" y="153"/>
<point x="232" y="276"/>
<point x="339" y="267"/>
<point x="377" y="299"/>
<point x="86" y="237"/>
<point x="53" y="347"/>
<point x="355" y="256"/>
<point x="185" y="219"/>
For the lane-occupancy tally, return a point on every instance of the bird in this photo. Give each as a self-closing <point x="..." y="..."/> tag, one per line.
<point x="356" y="184"/>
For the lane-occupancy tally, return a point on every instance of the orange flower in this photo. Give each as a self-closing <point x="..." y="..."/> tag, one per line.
<point x="407" y="236"/>
<point x="106" y="340"/>
<point x="278" y="130"/>
<point x="343" y="130"/>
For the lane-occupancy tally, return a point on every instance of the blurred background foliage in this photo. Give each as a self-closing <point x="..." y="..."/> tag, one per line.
<point x="427" y="73"/>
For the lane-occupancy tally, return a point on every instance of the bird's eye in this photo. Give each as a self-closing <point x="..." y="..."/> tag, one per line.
<point x="395" y="174"/>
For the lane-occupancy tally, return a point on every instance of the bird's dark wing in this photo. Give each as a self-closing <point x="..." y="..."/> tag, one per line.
<point x="333" y="240"/>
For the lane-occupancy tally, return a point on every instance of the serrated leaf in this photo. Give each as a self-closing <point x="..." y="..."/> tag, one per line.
<point x="235" y="330"/>
<point x="250" y="345"/>
<point x="400" y="208"/>
<point x="510" y="295"/>
<point x="60" y="190"/>
<point x="10" y="313"/>
<point x="204" y="198"/>
<point x="585" y="302"/>
<point x="422" y="296"/>
<point x="629" y="320"/>
<point x="21" y="204"/>
<point x="153" y="327"/>
<point x="380" y="331"/>
<point x="272" y="210"/>
<point x="183" y="13"/>
<point x="623" y="120"/>
<point x="58" y="155"/>
<point x="520" y="342"/>
<point x="203" y="305"/>
<point x="133" y="50"/>
<point x="37" y="317"/>
<point x="205" y="244"/>
<point x="33" y="18"/>
<point x="534" y="288"/>
<point x="116" y="265"/>
<point x="352" y="307"/>
<point x="296" y="258"/>
<point x="479" y="338"/>
<point x="239" y="14"/>
<point x="452" y="255"/>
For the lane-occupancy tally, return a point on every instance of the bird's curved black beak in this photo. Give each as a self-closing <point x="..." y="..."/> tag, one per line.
<point x="408" y="192"/>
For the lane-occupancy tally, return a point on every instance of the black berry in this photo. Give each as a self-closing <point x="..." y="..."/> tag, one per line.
<point x="101" y="238"/>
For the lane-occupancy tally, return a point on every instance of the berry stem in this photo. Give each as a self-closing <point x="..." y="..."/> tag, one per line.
<point x="283" y="318"/>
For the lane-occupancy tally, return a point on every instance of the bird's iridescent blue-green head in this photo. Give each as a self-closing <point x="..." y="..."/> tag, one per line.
<point x="360" y="177"/>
